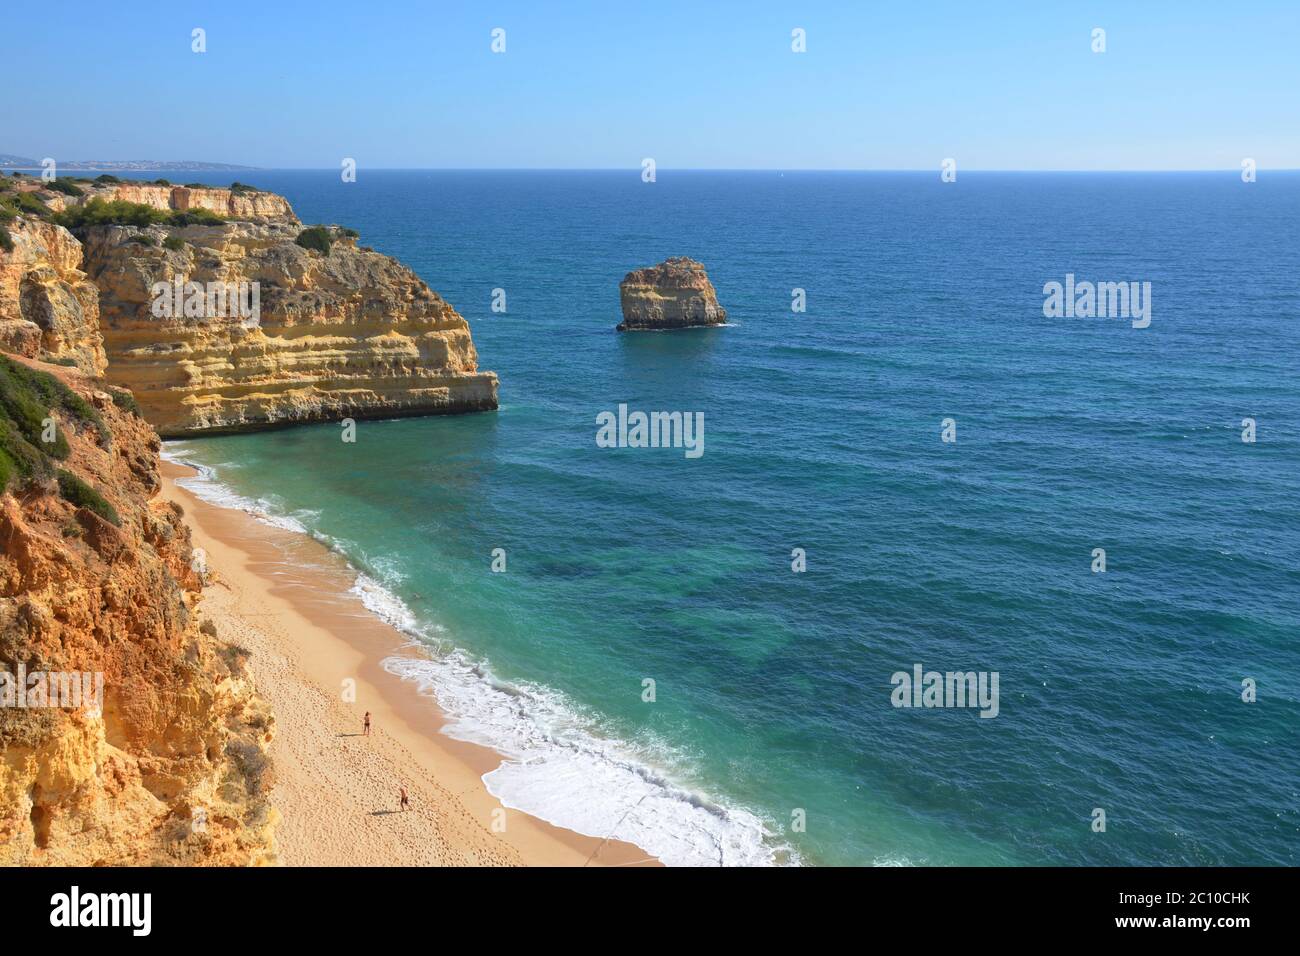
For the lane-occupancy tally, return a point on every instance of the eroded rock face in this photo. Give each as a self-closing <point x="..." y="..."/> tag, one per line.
<point x="676" y="294"/>
<point x="172" y="769"/>
<point x="349" y="334"/>
<point x="48" y="308"/>
<point x="224" y="202"/>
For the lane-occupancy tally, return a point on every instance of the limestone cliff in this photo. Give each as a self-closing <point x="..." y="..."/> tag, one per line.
<point x="241" y="204"/>
<point x="340" y="331"/>
<point x="343" y="333"/>
<point x="48" y="309"/>
<point x="675" y="294"/>
<point x="97" y="577"/>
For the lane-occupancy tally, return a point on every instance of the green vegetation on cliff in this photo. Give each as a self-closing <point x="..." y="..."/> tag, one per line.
<point x="321" y="238"/>
<point x="16" y="203"/>
<point x="63" y="186"/>
<point x="119" y="212"/>
<point x="76" y="491"/>
<point x="27" y="400"/>
<point x="315" y="237"/>
<point x="126" y="401"/>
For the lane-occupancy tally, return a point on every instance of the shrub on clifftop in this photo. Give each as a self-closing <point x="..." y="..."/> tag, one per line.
<point x="119" y="212"/>
<point x="194" y="217"/>
<point x="126" y="401"/>
<point x="315" y="237"/>
<point x="25" y="203"/>
<point x="320" y="238"/>
<point x="63" y="186"/>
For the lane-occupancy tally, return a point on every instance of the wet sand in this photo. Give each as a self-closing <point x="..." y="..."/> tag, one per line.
<point x="284" y="597"/>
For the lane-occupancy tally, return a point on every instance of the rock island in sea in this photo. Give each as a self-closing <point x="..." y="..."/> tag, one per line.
<point x="675" y="294"/>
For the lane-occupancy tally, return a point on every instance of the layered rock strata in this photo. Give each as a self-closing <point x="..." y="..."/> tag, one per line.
<point x="340" y="331"/>
<point x="48" y="308"/>
<point x="347" y="333"/>
<point x="97" y="576"/>
<point x="233" y="204"/>
<point x="676" y="294"/>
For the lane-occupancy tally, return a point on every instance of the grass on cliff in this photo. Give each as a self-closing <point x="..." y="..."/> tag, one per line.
<point x="13" y="204"/>
<point x="27" y="398"/>
<point x="73" y="489"/>
<point x="119" y="212"/>
<point x="126" y="401"/>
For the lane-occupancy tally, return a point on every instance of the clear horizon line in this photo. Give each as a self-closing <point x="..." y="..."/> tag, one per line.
<point x="676" y="169"/>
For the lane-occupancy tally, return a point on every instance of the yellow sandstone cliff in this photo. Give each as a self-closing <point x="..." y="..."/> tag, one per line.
<point x="675" y="294"/>
<point x="240" y="203"/>
<point x="348" y="333"/>
<point x="171" y="767"/>
<point x="96" y="575"/>
<point x="340" y="331"/>
<point x="250" y="204"/>
<point x="47" y="306"/>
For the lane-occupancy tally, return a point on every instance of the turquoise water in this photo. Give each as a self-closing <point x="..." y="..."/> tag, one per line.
<point x="1119" y="691"/>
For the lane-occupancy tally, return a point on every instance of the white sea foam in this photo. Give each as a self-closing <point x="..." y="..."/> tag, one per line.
<point x="558" y="765"/>
<point x="385" y="605"/>
<point x="205" y="487"/>
<point x="559" y="768"/>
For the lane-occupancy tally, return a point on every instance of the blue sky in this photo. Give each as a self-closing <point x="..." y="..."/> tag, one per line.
<point x="883" y="85"/>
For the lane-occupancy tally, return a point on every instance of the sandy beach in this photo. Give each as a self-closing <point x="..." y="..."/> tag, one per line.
<point x="284" y="597"/>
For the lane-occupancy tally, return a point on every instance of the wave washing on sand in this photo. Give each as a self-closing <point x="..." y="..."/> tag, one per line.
<point x="559" y="770"/>
<point x="205" y="487"/>
<point x="557" y="767"/>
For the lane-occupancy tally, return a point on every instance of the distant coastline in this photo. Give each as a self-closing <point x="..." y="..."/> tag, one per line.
<point x="11" y="161"/>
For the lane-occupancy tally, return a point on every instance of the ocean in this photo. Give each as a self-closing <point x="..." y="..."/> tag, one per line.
<point x="649" y="660"/>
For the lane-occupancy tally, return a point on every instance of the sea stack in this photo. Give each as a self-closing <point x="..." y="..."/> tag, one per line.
<point x="676" y="294"/>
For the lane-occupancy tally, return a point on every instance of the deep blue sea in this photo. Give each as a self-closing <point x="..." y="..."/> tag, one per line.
<point x="772" y="736"/>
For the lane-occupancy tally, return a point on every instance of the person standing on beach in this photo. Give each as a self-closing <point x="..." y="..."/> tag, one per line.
<point x="406" y="801"/>
<point x="367" y="733"/>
